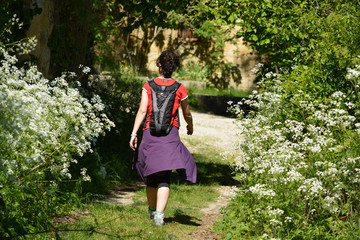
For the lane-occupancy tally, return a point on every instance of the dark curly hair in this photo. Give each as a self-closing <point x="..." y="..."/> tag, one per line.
<point x="169" y="61"/>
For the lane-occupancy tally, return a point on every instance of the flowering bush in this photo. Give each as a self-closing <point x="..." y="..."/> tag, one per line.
<point x="43" y="125"/>
<point x="299" y="163"/>
<point x="120" y="91"/>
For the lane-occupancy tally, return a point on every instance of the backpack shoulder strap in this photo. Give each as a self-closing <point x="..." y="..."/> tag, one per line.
<point x="152" y="83"/>
<point x="175" y="86"/>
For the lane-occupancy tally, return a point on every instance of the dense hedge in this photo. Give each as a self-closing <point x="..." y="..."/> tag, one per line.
<point x="298" y="158"/>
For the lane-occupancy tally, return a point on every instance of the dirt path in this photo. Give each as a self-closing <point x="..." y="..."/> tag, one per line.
<point x="212" y="213"/>
<point x="217" y="131"/>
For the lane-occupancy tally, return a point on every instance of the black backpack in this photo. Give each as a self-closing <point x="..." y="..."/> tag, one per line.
<point x="163" y="98"/>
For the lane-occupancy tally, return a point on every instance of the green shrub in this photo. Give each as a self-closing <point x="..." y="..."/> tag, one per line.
<point x="299" y="164"/>
<point x="121" y="92"/>
<point x="298" y="159"/>
<point x="192" y="71"/>
<point x="44" y="124"/>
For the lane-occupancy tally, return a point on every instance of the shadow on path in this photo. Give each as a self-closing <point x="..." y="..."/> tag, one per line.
<point x="182" y="218"/>
<point x="212" y="172"/>
<point x="122" y="195"/>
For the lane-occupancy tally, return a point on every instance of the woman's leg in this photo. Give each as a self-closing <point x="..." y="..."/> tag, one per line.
<point x="163" y="194"/>
<point x="162" y="197"/>
<point x="151" y="194"/>
<point x="159" y="195"/>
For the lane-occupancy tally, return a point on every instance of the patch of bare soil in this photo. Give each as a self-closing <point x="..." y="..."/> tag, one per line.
<point x="122" y="195"/>
<point x="212" y="213"/>
<point x="217" y="131"/>
<point x="70" y="218"/>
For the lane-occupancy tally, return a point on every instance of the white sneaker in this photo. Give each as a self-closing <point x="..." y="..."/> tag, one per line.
<point x="159" y="219"/>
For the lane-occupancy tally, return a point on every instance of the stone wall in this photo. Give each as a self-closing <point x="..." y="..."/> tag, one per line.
<point x="238" y="54"/>
<point x="48" y="22"/>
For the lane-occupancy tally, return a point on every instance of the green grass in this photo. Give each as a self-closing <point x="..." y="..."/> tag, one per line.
<point x="110" y="221"/>
<point x="183" y="215"/>
<point x="191" y="71"/>
<point x="213" y="91"/>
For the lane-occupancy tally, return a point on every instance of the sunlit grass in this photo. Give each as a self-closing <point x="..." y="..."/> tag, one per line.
<point x="183" y="214"/>
<point x="107" y="221"/>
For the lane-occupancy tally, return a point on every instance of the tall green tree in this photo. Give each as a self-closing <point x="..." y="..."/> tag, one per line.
<point x="323" y="35"/>
<point x="282" y="30"/>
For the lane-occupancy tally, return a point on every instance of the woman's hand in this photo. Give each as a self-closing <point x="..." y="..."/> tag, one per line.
<point x="187" y="116"/>
<point x="190" y="129"/>
<point x="140" y="116"/>
<point x="133" y="142"/>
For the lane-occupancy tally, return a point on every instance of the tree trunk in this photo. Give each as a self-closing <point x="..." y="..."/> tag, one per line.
<point x="70" y="43"/>
<point x="41" y="26"/>
<point x="62" y="30"/>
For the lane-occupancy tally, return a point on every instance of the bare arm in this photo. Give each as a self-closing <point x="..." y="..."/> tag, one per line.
<point x="187" y="116"/>
<point x="140" y="116"/>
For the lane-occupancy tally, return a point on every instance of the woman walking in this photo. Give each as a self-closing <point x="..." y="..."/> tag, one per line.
<point x="161" y="149"/>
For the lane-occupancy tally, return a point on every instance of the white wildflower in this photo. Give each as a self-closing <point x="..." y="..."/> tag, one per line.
<point x="84" y="175"/>
<point x="261" y="191"/>
<point x="255" y="70"/>
<point x="288" y="219"/>
<point x="259" y="65"/>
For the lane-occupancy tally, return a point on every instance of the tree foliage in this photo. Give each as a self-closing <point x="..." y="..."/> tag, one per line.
<point x="289" y="33"/>
<point x="282" y="30"/>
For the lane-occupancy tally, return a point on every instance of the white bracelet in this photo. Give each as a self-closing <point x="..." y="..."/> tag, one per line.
<point x="133" y="134"/>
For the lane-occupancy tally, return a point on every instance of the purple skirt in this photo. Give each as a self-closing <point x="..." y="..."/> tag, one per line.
<point x="156" y="154"/>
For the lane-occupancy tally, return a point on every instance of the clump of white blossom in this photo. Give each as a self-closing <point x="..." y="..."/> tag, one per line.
<point x="291" y="157"/>
<point x="43" y="123"/>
